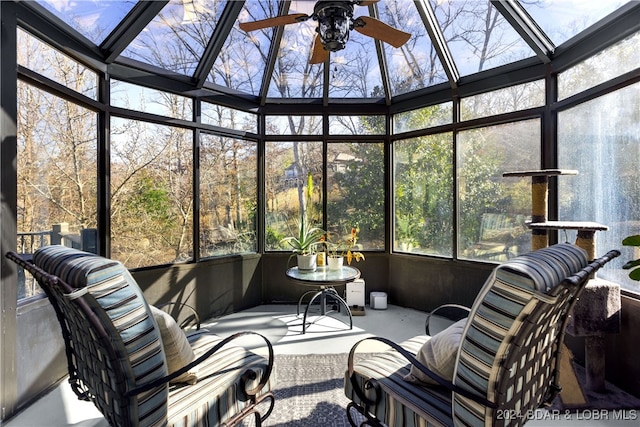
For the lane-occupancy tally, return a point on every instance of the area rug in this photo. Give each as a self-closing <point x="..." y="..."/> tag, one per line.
<point x="309" y="391"/>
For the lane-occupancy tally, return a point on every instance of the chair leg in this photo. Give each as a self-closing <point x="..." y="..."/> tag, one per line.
<point x="253" y="410"/>
<point x="369" y="419"/>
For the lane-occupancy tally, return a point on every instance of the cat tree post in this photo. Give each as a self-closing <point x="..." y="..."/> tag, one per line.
<point x="597" y="312"/>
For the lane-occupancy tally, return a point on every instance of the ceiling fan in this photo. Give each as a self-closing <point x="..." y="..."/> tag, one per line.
<point x="335" y="20"/>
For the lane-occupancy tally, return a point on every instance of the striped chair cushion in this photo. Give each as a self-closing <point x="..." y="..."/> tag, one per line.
<point x="119" y="303"/>
<point x="401" y="403"/>
<point x="514" y="307"/>
<point x="218" y="394"/>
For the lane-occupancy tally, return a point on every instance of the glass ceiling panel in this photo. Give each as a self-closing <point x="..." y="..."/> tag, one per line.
<point x="177" y="36"/>
<point x="293" y="76"/>
<point x="415" y="65"/>
<point x="478" y="35"/>
<point x="563" y="19"/>
<point x="243" y="58"/>
<point x="94" y="19"/>
<point x="355" y="70"/>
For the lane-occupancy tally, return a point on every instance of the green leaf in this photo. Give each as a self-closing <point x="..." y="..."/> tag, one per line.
<point x="635" y="274"/>
<point x="632" y="241"/>
<point x="631" y="264"/>
<point x="309" y="189"/>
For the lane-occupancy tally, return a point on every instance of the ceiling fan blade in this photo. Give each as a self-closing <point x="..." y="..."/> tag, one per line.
<point x="318" y="52"/>
<point x="273" y="22"/>
<point x="379" y="30"/>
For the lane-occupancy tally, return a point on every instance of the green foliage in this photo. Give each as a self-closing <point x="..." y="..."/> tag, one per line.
<point x="407" y="230"/>
<point x="358" y="194"/>
<point x="273" y="237"/>
<point x="151" y="201"/>
<point x="633" y="264"/>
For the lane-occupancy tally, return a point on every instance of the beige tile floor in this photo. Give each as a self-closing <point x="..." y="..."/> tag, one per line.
<point x="283" y="328"/>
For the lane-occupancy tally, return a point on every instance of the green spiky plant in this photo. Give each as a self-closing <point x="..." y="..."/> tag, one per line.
<point x="634" y="274"/>
<point x="306" y="239"/>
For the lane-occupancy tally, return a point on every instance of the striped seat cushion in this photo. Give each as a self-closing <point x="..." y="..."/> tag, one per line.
<point x="119" y="304"/>
<point x="514" y="307"/>
<point x="401" y="403"/>
<point x="218" y="394"/>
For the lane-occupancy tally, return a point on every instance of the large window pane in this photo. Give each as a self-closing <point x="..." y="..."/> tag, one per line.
<point x="151" y="191"/>
<point x="605" y="149"/>
<point x="423" y="195"/>
<point x="355" y="192"/>
<point x="288" y="165"/>
<point x="228" y="192"/>
<point x="493" y="209"/>
<point x="56" y="175"/>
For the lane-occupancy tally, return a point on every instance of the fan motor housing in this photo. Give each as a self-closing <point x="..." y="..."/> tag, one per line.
<point x="334" y="23"/>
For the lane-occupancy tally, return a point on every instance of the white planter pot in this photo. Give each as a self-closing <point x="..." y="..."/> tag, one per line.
<point x="335" y="262"/>
<point x="307" y="262"/>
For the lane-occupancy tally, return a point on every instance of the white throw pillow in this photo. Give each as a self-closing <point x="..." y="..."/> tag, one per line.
<point x="439" y="355"/>
<point x="177" y="349"/>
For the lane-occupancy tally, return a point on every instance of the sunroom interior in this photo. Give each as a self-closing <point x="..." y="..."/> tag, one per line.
<point x="162" y="135"/>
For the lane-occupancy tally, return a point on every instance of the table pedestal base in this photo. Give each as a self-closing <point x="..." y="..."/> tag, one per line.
<point x="324" y="294"/>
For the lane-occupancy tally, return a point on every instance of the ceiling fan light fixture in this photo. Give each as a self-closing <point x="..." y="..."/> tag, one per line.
<point x="334" y="23"/>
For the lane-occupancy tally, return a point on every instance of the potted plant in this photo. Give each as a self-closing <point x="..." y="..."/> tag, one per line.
<point x="304" y="244"/>
<point x="338" y="251"/>
<point x="304" y="241"/>
<point x="634" y="274"/>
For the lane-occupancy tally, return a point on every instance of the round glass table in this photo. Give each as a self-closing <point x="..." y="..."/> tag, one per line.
<point x="323" y="280"/>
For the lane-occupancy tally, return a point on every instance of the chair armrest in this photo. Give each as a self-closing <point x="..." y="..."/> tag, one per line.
<point x="191" y="320"/>
<point x="160" y="381"/>
<point x="444" y="316"/>
<point x="410" y="357"/>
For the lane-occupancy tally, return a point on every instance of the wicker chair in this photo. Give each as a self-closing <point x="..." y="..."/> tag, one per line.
<point x="504" y="361"/>
<point x="118" y="357"/>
